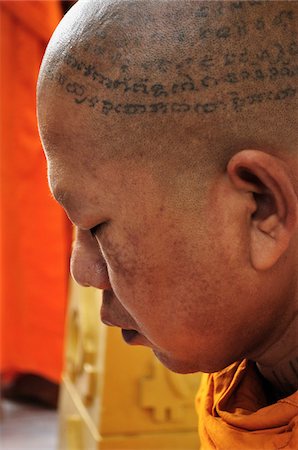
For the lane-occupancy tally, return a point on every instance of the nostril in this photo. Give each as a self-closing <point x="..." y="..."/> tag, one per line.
<point x="101" y="276"/>
<point x="90" y="275"/>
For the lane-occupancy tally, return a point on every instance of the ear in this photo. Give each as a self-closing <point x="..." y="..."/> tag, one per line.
<point x="275" y="216"/>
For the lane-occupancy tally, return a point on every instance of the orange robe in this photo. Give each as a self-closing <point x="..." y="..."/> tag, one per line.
<point x="35" y="234"/>
<point x="234" y="413"/>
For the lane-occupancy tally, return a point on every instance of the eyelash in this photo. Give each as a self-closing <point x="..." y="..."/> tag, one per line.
<point x="96" y="229"/>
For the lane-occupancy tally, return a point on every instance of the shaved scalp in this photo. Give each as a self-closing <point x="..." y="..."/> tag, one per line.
<point x="218" y="76"/>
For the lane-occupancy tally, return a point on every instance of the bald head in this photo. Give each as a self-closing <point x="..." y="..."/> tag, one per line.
<point x="211" y="75"/>
<point x="170" y="129"/>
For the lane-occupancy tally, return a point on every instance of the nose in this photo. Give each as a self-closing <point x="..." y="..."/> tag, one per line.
<point x="87" y="265"/>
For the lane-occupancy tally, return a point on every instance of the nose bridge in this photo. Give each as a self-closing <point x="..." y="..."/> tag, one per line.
<point x="87" y="265"/>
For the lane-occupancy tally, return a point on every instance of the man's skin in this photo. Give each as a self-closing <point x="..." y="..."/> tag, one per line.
<point x="170" y="130"/>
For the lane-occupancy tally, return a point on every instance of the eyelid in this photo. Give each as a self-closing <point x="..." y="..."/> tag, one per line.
<point x="93" y="230"/>
<point x="97" y="228"/>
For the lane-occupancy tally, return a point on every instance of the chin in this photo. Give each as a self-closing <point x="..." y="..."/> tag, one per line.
<point x="196" y="365"/>
<point x="175" y="365"/>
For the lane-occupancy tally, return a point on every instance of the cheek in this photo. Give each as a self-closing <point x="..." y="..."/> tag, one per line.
<point x="120" y="258"/>
<point x="127" y="269"/>
<point x="168" y="277"/>
<point x="131" y="255"/>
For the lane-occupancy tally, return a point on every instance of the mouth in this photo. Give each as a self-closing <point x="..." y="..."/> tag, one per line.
<point x="129" y="335"/>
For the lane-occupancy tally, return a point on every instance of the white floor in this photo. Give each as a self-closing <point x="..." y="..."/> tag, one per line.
<point x="27" y="427"/>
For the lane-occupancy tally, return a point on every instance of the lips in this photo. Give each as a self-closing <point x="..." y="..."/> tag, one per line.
<point x="130" y="335"/>
<point x="108" y="323"/>
<point x="114" y="318"/>
<point x="127" y="333"/>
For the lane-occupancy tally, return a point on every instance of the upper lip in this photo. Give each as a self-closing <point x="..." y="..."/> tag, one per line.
<point x="109" y="323"/>
<point x="113" y="324"/>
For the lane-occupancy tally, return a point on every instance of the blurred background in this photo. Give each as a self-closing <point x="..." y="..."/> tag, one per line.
<point x="35" y="233"/>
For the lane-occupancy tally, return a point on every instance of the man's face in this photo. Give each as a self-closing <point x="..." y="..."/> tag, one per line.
<point x="169" y="266"/>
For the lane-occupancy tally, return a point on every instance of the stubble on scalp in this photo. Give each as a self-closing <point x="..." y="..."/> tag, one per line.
<point x="219" y="74"/>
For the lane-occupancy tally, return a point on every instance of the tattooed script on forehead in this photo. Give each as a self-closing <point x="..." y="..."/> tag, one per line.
<point x="220" y="76"/>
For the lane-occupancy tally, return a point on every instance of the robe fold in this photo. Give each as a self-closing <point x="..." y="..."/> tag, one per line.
<point x="35" y="233"/>
<point x="235" y="413"/>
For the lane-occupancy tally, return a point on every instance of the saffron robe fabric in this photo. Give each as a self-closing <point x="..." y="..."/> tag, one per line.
<point x="35" y="233"/>
<point x="235" y="414"/>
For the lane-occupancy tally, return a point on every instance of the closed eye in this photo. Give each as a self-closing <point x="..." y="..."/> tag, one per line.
<point x="97" y="229"/>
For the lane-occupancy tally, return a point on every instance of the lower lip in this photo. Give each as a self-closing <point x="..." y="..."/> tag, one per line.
<point x="129" y="336"/>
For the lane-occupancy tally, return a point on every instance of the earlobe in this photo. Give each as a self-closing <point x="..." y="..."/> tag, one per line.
<point x="274" y="219"/>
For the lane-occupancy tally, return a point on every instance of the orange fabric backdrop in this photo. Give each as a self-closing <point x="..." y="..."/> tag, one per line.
<point x="35" y="233"/>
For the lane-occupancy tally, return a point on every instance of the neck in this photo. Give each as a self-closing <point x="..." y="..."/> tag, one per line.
<point x="279" y="363"/>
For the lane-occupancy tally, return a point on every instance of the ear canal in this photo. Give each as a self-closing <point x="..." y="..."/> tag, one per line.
<point x="275" y="216"/>
<point x="265" y="206"/>
<point x="249" y="177"/>
<point x="264" y="200"/>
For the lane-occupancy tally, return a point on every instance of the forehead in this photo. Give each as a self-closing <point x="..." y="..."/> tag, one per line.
<point x="85" y="147"/>
<point x="85" y="186"/>
<point x="74" y="192"/>
<point x="68" y="129"/>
